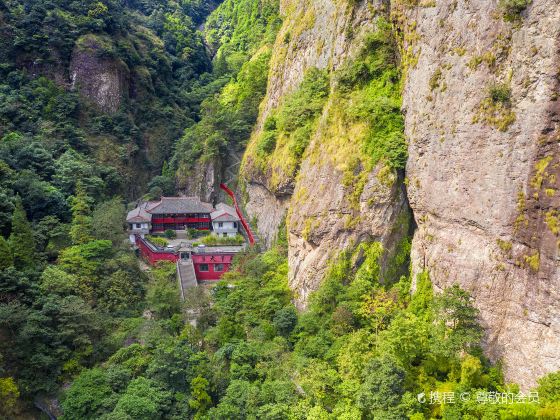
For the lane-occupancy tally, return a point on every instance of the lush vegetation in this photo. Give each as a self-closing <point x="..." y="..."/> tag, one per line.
<point x="287" y="130"/>
<point x="370" y="88"/>
<point x="55" y="319"/>
<point x="362" y="123"/>
<point x="70" y="290"/>
<point x="155" y="43"/>
<point x="241" y="33"/>
<point x="363" y="349"/>
<point x="81" y="323"/>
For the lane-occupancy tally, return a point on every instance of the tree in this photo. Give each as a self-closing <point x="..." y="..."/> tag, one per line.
<point x="285" y="320"/>
<point x="51" y="236"/>
<point x="143" y="400"/>
<point x="9" y="393"/>
<point x="80" y="230"/>
<point x="379" y="396"/>
<point x="40" y="199"/>
<point x="162" y="295"/>
<point x="88" y="396"/>
<point x="457" y="327"/>
<point x="21" y="239"/>
<point x="56" y="281"/>
<point x="107" y="220"/>
<point x="119" y="292"/>
<point x="549" y="388"/>
<point x="200" y="401"/>
<point x="6" y="257"/>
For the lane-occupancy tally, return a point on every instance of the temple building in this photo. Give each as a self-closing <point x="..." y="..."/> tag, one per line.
<point x="181" y="213"/>
<point x="195" y="262"/>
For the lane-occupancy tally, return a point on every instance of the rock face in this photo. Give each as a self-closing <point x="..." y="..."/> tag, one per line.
<point x="96" y="75"/>
<point x="481" y="100"/>
<point x="482" y="122"/>
<point x="202" y="181"/>
<point x="314" y="34"/>
<point x="325" y="213"/>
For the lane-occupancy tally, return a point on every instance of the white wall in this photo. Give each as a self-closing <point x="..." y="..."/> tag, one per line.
<point x="231" y="228"/>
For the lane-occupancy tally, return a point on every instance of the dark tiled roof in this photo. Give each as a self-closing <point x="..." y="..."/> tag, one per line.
<point x="224" y="213"/>
<point x="225" y="217"/>
<point x="180" y="205"/>
<point x="139" y="214"/>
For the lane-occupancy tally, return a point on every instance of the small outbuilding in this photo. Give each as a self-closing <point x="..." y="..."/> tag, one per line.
<point x="225" y="221"/>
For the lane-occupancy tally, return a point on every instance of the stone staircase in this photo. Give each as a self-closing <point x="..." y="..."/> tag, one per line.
<point x="185" y="276"/>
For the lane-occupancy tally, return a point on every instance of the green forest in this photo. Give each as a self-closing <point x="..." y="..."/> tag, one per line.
<point x="86" y="333"/>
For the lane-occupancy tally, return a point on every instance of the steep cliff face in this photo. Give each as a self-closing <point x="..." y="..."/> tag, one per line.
<point x="203" y="180"/>
<point x="314" y="170"/>
<point x="482" y="122"/>
<point x="480" y="99"/>
<point x="101" y="79"/>
<point x="314" y="35"/>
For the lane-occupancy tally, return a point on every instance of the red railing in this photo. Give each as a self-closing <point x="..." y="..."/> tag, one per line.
<point x="239" y="214"/>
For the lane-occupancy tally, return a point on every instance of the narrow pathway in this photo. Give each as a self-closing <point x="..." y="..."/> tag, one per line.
<point x="252" y="237"/>
<point x="185" y="276"/>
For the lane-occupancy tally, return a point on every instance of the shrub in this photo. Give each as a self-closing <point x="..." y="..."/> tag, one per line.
<point x="500" y="93"/>
<point x="195" y="233"/>
<point x="267" y="142"/>
<point x="512" y="9"/>
<point x="157" y="240"/>
<point x="212" y="240"/>
<point x="170" y="234"/>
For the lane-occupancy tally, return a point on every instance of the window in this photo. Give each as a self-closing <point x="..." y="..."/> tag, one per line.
<point x="220" y="224"/>
<point x="235" y="225"/>
<point x="138" y="225"/>
<point x="218" y="267"/>
<point x="203" y="267"/>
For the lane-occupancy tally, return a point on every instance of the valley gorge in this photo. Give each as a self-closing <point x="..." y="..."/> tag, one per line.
<point x="398" y="162"/>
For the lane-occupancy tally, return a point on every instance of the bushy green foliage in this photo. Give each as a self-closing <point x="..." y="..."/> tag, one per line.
<point x="236" y="29"/>
<point x="157" y="240"/>
<point x="6" y="257"/>
<point x="241" y="33"/>
<point x="512" y="9"/>
<point x="296" y="116"/>
<point x="21" y="241"/>
<point x="107" y="220"/>
<point x="213" y="240"/>
<point x="81" y="226"/>
<point x="170" y="234"/>
<point x="500" y="93"/>
<point x="372" y="84"/>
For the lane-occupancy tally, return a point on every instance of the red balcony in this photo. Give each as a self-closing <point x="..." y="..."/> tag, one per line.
<point x="169" y="220"/>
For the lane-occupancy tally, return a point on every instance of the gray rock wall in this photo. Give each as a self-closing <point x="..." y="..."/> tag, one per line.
<point x="477" y="185"/>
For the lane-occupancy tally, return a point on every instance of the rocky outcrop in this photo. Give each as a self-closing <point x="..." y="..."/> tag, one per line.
<point x="96" y="74"/>
<point x="481" y="99"/>
<point x="323" y="221"/>
<point x="314" y="34"/>
<point x="335" y="200"/>
<point x="482" y="122"/>
<point x="201" y="181"/>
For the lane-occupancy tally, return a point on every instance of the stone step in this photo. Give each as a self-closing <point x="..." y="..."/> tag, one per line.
<point x="186" y="276"/>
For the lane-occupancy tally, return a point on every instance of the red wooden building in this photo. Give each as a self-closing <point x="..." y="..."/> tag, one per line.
<point x="209" y="263"/>
<point x="175" y="213"/>
<point x="212" y="263"/>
